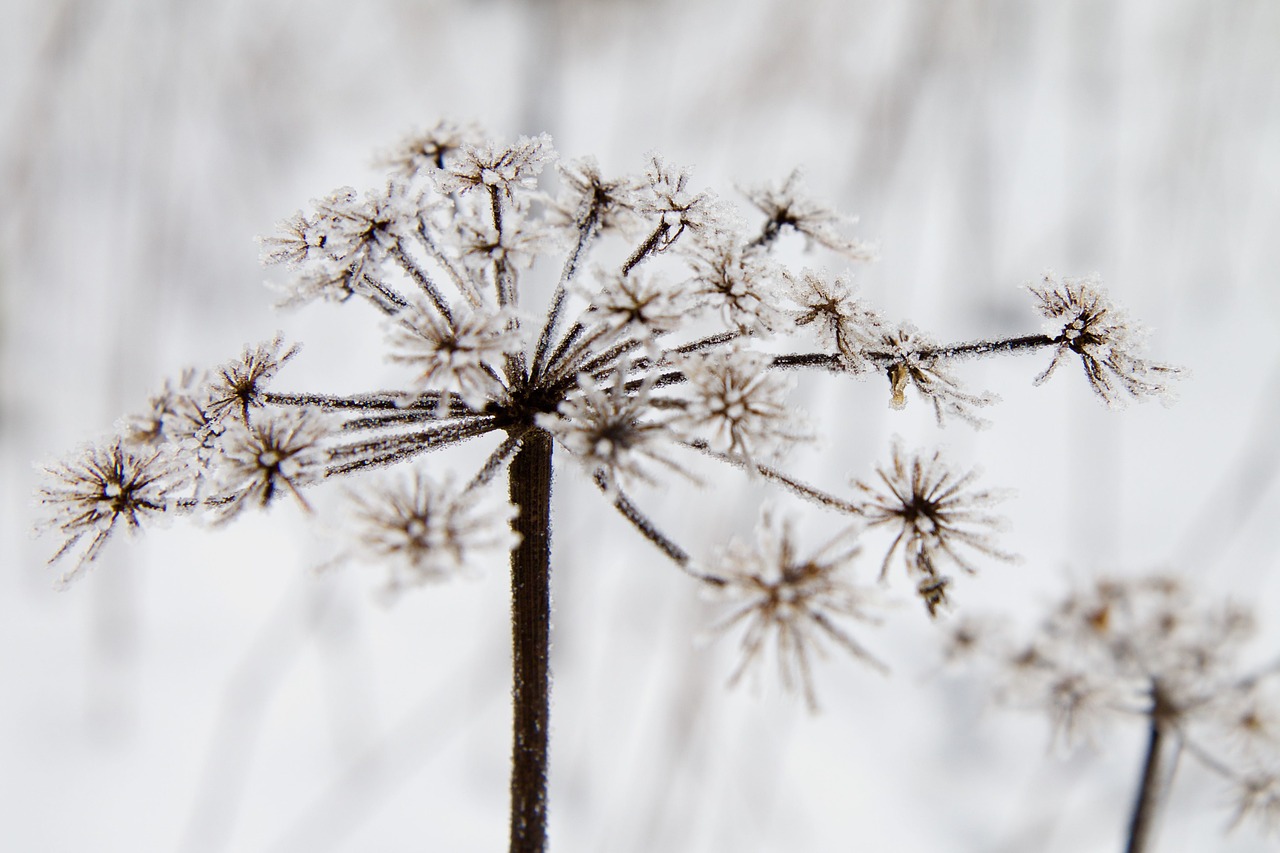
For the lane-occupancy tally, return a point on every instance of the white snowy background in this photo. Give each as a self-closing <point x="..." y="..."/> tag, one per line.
<point x="208" y="691"/>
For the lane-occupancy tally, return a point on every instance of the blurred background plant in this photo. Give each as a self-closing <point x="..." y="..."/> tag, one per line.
<point x="1154" y="649"/>
<point x="185" y="697"/>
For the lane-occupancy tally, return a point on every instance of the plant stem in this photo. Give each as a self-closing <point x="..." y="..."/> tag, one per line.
<point x="530" y="489"/>
<point x="1142" y="820"/>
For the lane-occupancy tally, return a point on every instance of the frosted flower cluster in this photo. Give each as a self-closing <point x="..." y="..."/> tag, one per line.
<point x="1107" y="342"/>
<point x="795" y="602"/>
<point x="639" y="322"/>
<point x="937" y="518"/>
<point x="1153" y="649"/>
<point x="207" y="445"/>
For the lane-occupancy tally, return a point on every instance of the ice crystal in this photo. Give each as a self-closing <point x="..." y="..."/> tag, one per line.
<point x="638" y="303"/>
<point x="270" y="457"/>
<point x="744" y="406"/>
<point x="460" y="356"/>
<point x="592" y="201"/>
<point x="838" y="318"/>
<point x="675" y="206"/>
<point x="615" y="431"/>
<point x="914" y="361"/>
<point x="423" y="151"/>
<point x="506" y="169"/>
<point x="737" y="283"/>
<point x="239" y="385"/>
<point x="107" y="487"/>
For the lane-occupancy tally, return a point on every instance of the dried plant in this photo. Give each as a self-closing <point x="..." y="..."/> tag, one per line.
<point x="1149" y="649"/>
<point x="668" y="331"/>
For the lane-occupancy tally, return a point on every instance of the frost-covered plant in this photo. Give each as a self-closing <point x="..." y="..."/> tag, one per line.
<point x="627" y="325"/>
<point x="1150" y="649"/>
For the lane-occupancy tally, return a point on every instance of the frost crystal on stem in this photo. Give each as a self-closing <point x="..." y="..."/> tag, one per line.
<point x="914" y="362"/>
<point x="422" y="530"/>
<point x="462" y="356"/>
<point x="838" y="319"/>
<point x="270" y="457"/>
<point x="743" y="405"/>
<point x="786" y="207"/>
<point x="239" y="385"/>
<point x="614" y="430"/>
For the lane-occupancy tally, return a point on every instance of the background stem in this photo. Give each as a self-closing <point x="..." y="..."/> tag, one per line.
<point x="1144" y="808"/>
<point x="530" y="489"/>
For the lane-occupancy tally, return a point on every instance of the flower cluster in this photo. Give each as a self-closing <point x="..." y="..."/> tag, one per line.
<point x="1153" y="649"/>
<point x="628" y="321"/>
<point x="1106" y="341"/>
<point x="775" y="594"/>
<point x="422" y="530"/>
<point x="208" y="443"/>
<point x="936" y="518"/>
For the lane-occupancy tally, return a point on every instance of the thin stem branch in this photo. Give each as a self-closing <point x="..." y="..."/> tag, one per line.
<point x="977" y="348"/>
<point x="465" y="287"/>
<point x="360" y="455"/>
<point x="587" y="229"/>
<point x="796" y="487"/>
<point x="530" y="489"/>
<point x="648" y="247"/>
<point x="832" y="361"/>
<point x="383" y="294"/>
<point x="647" y="529"/>
<point x="419" y="275"/>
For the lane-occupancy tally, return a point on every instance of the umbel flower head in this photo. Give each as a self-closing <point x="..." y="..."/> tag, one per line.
<point x="936" y="518"/>
<point x="794" y="602"/>
<point x="1107" y="343"/>
<point x="1153" y="649"/>
<point x="108" y="486"/>
<point x="633" y="324"/>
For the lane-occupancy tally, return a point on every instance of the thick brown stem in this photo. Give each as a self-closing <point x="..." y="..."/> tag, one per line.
<point x="530" y="488"/>
<point x="1142" y="821"/>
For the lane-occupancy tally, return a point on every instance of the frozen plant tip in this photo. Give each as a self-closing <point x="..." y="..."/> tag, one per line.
<point x="422" y="530"/>
<point x="107" y="487"/>
<point x="794" y="602"/>
<point x="936" y="517"/>
<point x="626" y="325"/>
<point x="1107" y="342"/>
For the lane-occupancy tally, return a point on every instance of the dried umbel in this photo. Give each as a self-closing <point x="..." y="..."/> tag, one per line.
<point x="1107" y="342"/>
<point x="797" y="601"/>
<point x="682" y="347"/>
<point x="628" y="325"/>
<point x="1153" y="650"/>
<point x="937" y="516"/>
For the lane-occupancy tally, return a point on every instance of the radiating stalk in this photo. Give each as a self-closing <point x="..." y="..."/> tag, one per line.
<point x="530" y="488"/>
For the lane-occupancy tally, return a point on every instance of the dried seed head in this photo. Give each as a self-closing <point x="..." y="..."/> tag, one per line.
<point x="793" y="603"/>
<point x="107" y="486"/>
<point x="1107" y="342"/>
